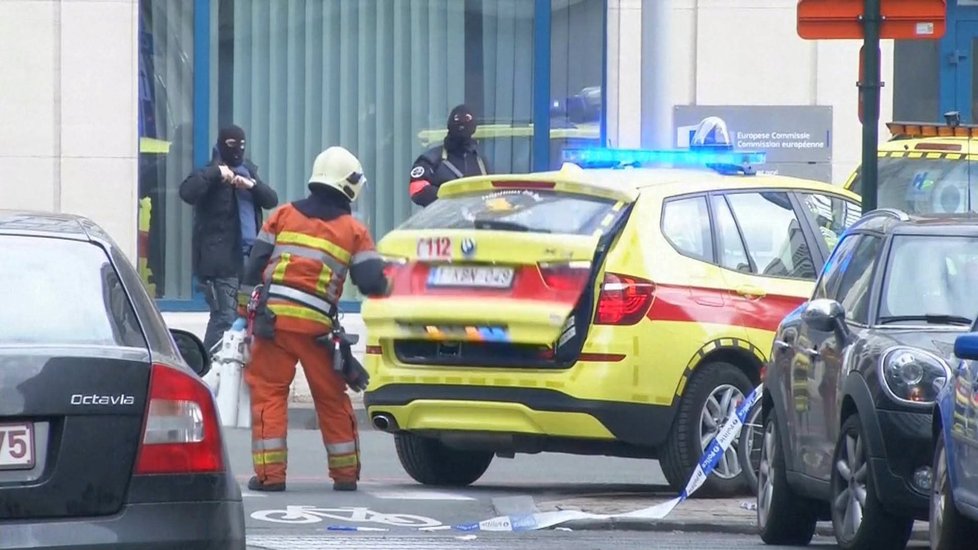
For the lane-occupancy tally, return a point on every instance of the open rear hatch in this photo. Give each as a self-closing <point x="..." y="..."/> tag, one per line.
<point x="492" y="272"/>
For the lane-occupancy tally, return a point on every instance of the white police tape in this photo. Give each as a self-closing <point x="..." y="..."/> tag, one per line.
<point x="708" y="461"/>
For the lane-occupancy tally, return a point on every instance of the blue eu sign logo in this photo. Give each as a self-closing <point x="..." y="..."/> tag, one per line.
<point x="468" y="247"/>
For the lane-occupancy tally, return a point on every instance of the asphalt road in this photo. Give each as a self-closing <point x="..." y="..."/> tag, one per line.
<point x="385" y="489"/>
<point x="310" y="515"/>
<point x="541" y="540"/>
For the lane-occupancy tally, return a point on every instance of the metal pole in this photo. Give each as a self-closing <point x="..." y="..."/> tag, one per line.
<point x="658" y="52"/>
<point x="541" y="86"/>
<point x="869" y="88"/>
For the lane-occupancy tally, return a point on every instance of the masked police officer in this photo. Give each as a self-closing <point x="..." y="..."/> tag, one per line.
<point x="457" y="157"/>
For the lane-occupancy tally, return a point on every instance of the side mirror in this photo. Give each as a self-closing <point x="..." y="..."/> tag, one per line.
<point x="824" y="315"/>
<point x="192" y="350"/>
<point x="966" y="346"/>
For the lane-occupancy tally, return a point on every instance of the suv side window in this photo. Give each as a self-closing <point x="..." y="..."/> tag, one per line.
<point x="834" y="268"/>
<point x="773" y="234"/>
<point x="686" y="225"/>
<point x="731" y="253"/>
<point x="832" y="214"/>
<point x="857" y="279"/>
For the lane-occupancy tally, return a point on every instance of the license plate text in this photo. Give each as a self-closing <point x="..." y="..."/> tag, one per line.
<point x="17" y="446"/>
<point x="485" y="277"/>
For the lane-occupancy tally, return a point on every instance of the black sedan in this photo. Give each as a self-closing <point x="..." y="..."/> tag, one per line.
<point x="108" y="438"/>
<point x="850" y="391"/>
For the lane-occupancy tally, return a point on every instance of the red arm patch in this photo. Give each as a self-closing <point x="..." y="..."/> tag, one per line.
<point x="417" y="186"/>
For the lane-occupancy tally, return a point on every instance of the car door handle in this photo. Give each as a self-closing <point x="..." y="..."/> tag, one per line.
<point x="751" y="291"/>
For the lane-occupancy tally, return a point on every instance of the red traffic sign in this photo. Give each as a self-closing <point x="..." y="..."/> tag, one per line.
<point x="902" y="19"/>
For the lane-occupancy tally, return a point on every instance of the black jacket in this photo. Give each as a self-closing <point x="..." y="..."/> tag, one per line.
<point x="217" y="228"/>
<point x="431" y="170"/>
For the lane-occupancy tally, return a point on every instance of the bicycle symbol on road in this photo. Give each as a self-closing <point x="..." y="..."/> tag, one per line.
<point x="313" y="514"/>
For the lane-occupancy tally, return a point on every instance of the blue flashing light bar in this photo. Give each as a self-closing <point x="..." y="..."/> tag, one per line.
<point x="697" y="157"/>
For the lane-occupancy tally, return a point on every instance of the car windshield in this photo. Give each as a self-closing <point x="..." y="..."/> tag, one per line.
<point x="925" y="186"/>
<point x="931" y="278"/>
<point x="62" y="292"/>
<point x="516" y="210"/>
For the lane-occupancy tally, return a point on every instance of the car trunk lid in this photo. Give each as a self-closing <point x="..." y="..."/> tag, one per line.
<point x="502" y="260"/>
<point x="70" y="425"/>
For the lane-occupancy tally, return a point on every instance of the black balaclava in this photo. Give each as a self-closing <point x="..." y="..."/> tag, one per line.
<point x="461" y="127"/>
<point x="233" y="154"/>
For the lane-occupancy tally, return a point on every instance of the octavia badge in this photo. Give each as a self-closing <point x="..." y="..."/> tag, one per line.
<point x="468" y="247"/>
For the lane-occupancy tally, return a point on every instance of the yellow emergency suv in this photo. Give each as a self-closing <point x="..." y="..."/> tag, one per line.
<point x="613" y="307"/>
<point x="926" y="168"/>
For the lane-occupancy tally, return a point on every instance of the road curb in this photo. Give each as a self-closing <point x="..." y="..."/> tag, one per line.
<point x="666" y="525"/>
<point x="303" y="417"/>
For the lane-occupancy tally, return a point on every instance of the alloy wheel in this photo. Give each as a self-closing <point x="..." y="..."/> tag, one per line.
<point x="719" y="408"/>
<point x="765" y="475"/>
<point x="853" y="471"/>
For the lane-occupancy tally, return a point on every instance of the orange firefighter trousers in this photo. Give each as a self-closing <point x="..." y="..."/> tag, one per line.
<point x="269" y="375"/>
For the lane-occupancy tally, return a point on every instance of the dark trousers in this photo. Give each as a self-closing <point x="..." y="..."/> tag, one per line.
<point x="221" y="294"/>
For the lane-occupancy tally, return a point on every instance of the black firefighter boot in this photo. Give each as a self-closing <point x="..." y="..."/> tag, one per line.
<point x="350" y="485"/>
<point x="256" y="484"/>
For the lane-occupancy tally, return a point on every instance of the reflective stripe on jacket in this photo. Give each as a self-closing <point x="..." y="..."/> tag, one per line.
<point x="303" y="263"/>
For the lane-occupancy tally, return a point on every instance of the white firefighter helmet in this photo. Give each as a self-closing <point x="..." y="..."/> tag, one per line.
<point x="338" y="169"/>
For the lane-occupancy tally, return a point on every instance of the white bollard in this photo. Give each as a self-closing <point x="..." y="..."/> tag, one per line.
<point x="230" y="360"/>
<point x="213" y="377"/>
<point x="227" y="394"/>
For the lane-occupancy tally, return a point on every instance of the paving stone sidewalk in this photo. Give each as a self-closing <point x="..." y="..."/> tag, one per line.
<point x="726" y="515"/>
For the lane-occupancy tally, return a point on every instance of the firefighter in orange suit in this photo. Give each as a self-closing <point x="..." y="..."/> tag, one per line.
<point x="300" y="262"/>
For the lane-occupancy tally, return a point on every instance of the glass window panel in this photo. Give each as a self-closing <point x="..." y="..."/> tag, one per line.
<point x="856" y="284"/>
<point x="686" y="224"/>
<point x="732" y="253"/>
<point x="576" y="49"/>
<point x="166" y="56"/>
<point x="378" y="78"/>
<point x="773" y="235"/>
<point x="833" y="215"/>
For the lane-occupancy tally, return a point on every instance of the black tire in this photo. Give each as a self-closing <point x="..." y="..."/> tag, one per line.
<point x="682" y="450"/>
<point x="749" y="446"/>
<point x="879" y="529"/>
<point x="783" y="517"/>
<point x="430" y="462"/>
<point x="949" y="530"/>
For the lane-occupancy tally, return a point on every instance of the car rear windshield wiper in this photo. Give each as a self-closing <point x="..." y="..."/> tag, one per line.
<point x="930" y="318"/>
<point x="486" y="223"/>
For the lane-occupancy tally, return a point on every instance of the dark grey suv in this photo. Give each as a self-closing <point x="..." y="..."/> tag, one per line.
<point x="110" y="439"/>
<point x="854" y="374"/>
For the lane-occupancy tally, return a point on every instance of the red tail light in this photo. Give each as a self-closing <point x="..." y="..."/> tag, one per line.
<point x="624" y="300"/>
<point x="565" y="275"/>
<point x="181" y="433"/>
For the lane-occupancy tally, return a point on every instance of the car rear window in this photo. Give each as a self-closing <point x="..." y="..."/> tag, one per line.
<point x="62" y="292"/>
<point x="537" y="211"/>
